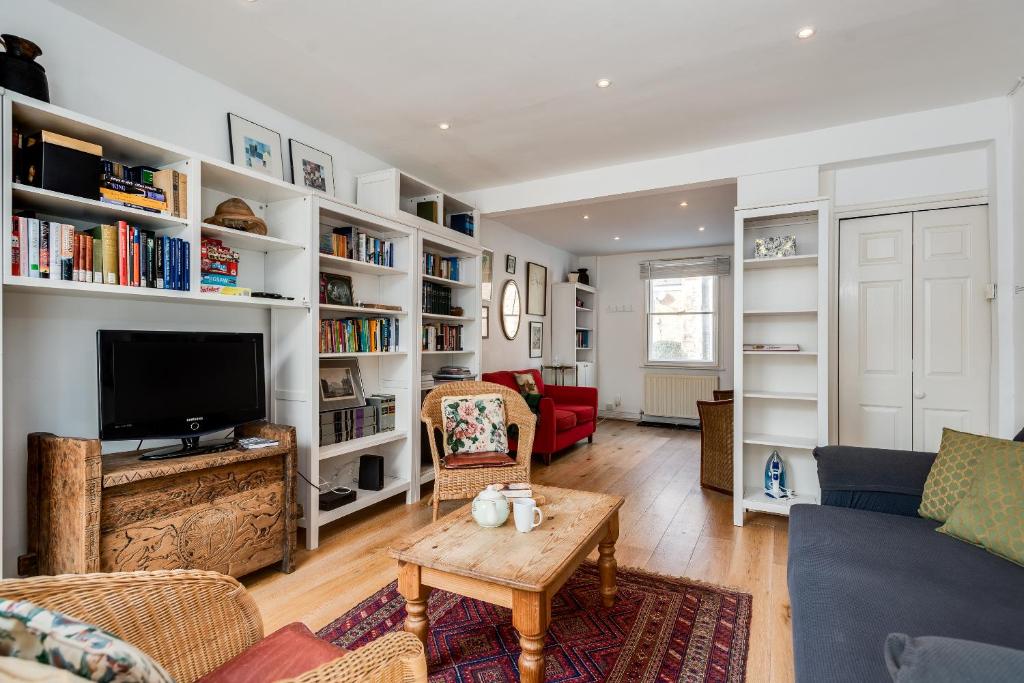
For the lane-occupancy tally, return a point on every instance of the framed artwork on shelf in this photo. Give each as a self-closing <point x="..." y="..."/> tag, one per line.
<point x="313" y="167"/>
<point x="336" y="290"/>
<point x="486" y="274"/>
<point x="536" y="289"/>
<point x="775" y="246"/>
<point x="255" y="147"/>
<point x="485" y="321"/>
<point x="510" y="264"/>
<point x="341" y="384"/>
<point x="536" y="339"/>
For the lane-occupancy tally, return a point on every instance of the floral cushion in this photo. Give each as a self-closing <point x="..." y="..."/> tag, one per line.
<point x="474" y="424"/>
<point x="38" y="634"/>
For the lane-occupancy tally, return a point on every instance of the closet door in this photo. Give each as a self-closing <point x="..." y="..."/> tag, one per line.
<point x="952" y="324"/>
<point x="875" y="319"/>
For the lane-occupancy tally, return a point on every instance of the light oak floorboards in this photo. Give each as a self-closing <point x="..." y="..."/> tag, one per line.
<point x="669" y="525"/>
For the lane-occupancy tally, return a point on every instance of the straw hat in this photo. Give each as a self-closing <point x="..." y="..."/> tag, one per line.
<point x="235" y="213"/>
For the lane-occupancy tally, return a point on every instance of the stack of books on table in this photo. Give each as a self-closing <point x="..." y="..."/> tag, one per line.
<point x="522" y="490"/>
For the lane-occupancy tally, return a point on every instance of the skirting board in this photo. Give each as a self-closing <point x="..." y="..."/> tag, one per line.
<point x="618" y="415"/>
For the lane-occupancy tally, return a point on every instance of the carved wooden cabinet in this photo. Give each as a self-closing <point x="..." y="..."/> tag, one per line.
<point x="232" y="512"/>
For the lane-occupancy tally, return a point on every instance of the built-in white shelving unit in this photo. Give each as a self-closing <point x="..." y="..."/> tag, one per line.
<point x="574" y="331"/>
<point x="781" y="397"/>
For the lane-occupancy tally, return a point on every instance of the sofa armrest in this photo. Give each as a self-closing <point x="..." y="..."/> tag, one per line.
<point x="546" y="420"/>
<point x="586" y="396"/>
<point x="875" y="479"/>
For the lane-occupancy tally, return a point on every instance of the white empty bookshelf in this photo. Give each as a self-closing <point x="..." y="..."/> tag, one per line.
<point x="780" y="396"/>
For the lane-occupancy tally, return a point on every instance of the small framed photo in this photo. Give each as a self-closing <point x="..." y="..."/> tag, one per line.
<point x="486" y="274"/>
<point x="536" y="289"/>
<point x="536" y="339"/>
<point x="485" y="321"/>
<point x="315" y="169"/>
<point x="336" y="290"/>
<point x="510" y="264"/>
<point x="341" y="384"/>
<point x="255" y="147"/>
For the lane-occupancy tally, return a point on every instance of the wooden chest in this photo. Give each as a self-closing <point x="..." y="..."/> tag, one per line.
<point x="232" y="512"/>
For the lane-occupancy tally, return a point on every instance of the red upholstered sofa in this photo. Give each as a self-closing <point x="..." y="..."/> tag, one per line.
<point x="567" y="414"/>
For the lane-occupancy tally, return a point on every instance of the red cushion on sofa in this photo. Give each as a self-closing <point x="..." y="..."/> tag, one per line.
<point x="564" y="419"/>
<point x="584" y="414"/>
<point x="286" y="653"/>
<point x="456" y="461"/>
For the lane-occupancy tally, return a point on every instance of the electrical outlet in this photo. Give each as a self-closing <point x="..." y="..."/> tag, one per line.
<point x="609" y="406"/>
<point x="618" y="400"/>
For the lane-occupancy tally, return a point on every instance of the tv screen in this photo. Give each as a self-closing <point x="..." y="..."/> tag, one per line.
<point x="178" y="384"/>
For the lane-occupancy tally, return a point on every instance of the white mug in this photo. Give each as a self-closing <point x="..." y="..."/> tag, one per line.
<point x="526" y="513"/>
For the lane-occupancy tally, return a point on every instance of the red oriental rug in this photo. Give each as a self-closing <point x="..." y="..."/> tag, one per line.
<point x="661" y="629"/>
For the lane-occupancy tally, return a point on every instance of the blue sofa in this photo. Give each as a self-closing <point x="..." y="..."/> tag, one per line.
<point x="863" y="564"/>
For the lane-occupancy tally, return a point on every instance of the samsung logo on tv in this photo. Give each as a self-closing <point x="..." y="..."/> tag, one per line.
<point x="193" y="419"/>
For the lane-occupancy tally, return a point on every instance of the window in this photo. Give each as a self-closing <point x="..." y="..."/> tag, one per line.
<point x="682" y="320"/>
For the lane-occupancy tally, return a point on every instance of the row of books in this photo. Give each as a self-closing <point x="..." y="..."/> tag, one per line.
<point x="345" y="424"/>
<point x="359" y="246"/>
<point x="441" y="266"/>
<point x="441" y="337"/>
<point x="437" y="299"/>
<point x="218" y="266"/>
<point x="107" y="254"/>
<point x="582" y="339"/>
<point x="359" y="335"/>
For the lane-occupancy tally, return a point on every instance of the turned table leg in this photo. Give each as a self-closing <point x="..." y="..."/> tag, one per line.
<point x="531" y="613"/>
<point x="606" y="563"/>
<point x="415" y="594"/>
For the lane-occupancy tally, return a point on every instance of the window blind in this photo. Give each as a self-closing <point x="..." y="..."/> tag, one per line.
<point x="684" y="267"/>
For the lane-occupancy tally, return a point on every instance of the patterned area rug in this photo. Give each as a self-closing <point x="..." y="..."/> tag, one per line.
<point x="661" y="629"/>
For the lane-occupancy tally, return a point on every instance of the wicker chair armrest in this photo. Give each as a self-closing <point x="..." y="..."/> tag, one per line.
<point x="393" y="658"/>
<point x="189" y="621"/>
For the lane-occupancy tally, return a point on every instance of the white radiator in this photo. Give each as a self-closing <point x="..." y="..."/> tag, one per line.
<point x="676" y="396"/>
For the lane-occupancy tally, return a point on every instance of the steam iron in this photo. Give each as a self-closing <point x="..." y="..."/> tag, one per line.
<point x="775" y="478"/>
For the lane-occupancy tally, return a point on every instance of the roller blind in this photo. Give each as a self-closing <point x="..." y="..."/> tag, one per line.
<point x="684" y="267"/>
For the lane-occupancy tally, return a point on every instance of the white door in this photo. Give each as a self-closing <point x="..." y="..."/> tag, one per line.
<point x="875" y="344"/>
<point x="952" y="324"/>
<point x="914" y="327"/>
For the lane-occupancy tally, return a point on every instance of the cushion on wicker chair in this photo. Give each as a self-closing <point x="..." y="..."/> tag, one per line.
<point x="459" y="461"/>
<point x="286" y="653"/>
<point x="474" y="424"/>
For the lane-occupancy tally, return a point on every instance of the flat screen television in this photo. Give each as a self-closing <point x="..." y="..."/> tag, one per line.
<point x="178" y="385"/>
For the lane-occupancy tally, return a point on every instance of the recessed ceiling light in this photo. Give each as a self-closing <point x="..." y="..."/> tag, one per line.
<point x="603" y="82"/>
<point x="586" y="217"/>
<point x="701" y="228"/>
<point x="616" y="238"/>
<point x="805" y="32"/>
<point x="444" y="125"/>
<point x="684" y="203"/>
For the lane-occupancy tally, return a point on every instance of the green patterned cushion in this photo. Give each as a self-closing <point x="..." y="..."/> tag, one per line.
<point x="992" y="513"/>
<point x="953" y="471"/>
<point x="31" y="632"/>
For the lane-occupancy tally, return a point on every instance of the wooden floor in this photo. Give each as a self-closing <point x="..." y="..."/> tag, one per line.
<point x="669" y="525"/>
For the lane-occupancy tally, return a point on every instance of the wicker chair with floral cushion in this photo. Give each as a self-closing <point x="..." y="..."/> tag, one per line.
<point x="716" y="445"/>
<point x="458" y="478"/>
<point x="193" y="622"/>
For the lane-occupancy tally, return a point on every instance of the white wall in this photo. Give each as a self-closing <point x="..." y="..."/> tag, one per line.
<point x="620" y="325"/>
<point x="923" y="176"/>
<point x="94" y="71"/>
<point x="500" y="353"/>
<point x="1017" y="122"/>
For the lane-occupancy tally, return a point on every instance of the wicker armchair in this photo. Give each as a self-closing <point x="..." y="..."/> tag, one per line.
<point x="716" y="445"/>
<point x="459" y="484"/>
<point x="194" y="621"/>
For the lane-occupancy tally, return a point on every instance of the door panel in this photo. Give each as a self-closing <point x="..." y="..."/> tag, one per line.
<point x="952" y="323"/>
<point x="875" y="261"/>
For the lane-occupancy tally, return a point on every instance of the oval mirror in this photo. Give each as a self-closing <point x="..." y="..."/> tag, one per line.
<point x="511" y="309"/>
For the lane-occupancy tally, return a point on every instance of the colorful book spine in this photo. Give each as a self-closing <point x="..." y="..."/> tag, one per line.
<point x="33" y="247"/>
<point x="15" y="246"/>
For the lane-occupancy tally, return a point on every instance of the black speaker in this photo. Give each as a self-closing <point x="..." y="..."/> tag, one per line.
<point x="371" y="472"/>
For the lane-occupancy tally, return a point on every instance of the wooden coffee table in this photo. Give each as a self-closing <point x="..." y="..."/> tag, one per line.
<point x="515" y="570"/>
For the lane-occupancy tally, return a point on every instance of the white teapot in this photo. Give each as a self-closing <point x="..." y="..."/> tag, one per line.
<point x="490" y="508"/>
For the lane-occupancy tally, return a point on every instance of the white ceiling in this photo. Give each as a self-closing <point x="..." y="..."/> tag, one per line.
<point x="516" y="78"/>
<point x="649" y="222"/>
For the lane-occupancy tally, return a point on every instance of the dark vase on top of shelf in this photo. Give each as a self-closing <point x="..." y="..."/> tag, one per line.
<point x="584" y="278"/>
<point x="18" y="69"/>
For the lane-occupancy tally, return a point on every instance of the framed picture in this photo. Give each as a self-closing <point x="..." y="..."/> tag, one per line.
<point x="255" y="147"/>
<point x="341" y="384"/>
<point x="536" y="289"/>
<point x="313" y="167"/>
<point x="336" y="290"/>
<point x="536" y="339"/>
<point x="510" y="264"/>
<point x="486" y="274"/>
<point x="485" y="321"/>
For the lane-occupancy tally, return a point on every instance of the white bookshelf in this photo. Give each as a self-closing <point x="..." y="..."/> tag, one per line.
<point x="573" y="310"/>
<point x="781" y="397"/>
